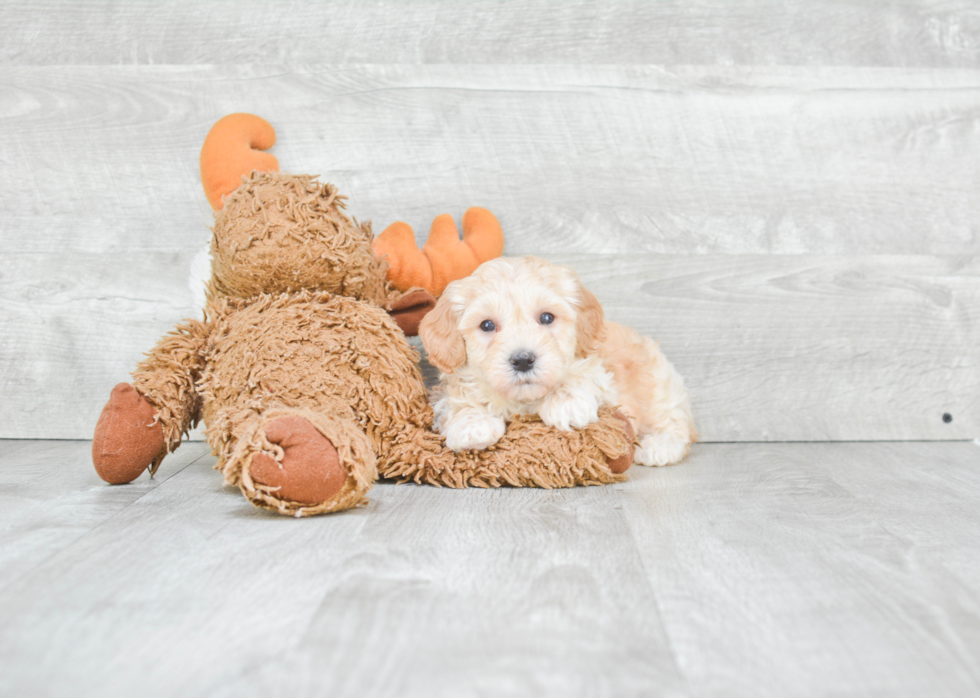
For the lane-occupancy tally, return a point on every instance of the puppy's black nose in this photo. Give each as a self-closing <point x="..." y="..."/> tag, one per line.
<point x="522" y="361"/>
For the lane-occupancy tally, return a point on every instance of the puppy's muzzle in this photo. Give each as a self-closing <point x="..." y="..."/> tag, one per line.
<point x="522" y="361"/>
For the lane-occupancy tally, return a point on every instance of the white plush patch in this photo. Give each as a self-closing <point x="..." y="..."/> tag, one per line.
<point x="200" y="275"/>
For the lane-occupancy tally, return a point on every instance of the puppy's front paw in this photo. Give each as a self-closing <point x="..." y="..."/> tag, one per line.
<point x="564" y="411"/>
<point x="662" y="448"/>
<point x="469" y="431"/>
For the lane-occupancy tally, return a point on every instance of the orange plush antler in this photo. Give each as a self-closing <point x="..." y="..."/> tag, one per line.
<point x="234" y="148"/>
<point x="444" y="257"/>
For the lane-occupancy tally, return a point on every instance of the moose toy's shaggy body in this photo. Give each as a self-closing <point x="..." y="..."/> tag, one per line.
<point x="302" y="373"/>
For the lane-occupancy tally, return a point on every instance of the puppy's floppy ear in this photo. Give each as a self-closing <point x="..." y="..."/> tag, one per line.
<point x="441" y="337"/>
<point x="590" y="324"/>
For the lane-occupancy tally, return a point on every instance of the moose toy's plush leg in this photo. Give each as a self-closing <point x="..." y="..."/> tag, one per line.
<point x="142" y="422"/>
<point x="302" y="462"/>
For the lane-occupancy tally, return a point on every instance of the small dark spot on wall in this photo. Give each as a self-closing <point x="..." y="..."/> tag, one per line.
<point x="947" y="417"/>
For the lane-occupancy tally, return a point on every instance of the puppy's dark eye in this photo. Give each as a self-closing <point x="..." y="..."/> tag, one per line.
<point x="546" y="318"/>
<point x="487" y="326"/>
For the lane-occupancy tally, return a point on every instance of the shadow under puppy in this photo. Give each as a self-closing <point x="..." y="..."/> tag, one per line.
<point x="523" y="336"/>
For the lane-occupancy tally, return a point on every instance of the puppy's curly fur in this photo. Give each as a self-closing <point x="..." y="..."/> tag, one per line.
<point x="523" y="336"/>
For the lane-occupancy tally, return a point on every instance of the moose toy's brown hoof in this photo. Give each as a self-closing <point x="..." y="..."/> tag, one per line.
<point x="309" y="471"/>
<point x="298" y="462"/>
<point x="128" y="438"/>
<point x="623" y="463"/>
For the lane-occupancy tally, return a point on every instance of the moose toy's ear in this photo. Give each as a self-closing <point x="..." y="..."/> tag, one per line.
<point x="441" y="337"/>
<point x="232" y="149"/>
<point x="409" y="310"/>
<point x="444" y="257"/>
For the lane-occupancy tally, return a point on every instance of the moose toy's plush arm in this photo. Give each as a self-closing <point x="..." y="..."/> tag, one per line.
<point x="142" y="422"/>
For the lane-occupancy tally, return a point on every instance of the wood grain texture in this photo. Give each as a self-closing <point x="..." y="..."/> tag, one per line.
<point x="773" y="347"/>
<point x="667" y="32"/>
<point x="193" y="591"/>
<point x="832" y="569"/>
<point x="761" y="570"/>
<point x="809" y="348"/>
<point x="50" y="497"/>
<point x="574" y="159"/>
<point x="77" y="324"/>
<point x="841" y="147"/>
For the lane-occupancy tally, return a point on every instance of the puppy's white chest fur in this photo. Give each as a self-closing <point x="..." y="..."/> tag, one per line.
<point x="471" y="414"/>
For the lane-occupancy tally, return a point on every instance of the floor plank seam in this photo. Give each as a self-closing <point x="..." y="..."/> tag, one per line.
<point x="97" y="526"/>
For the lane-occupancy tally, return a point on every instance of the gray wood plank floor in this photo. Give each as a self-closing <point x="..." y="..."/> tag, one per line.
<point x="750" y="570"/>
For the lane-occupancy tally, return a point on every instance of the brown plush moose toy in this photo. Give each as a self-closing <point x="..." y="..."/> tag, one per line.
<point x="301" y="369"/>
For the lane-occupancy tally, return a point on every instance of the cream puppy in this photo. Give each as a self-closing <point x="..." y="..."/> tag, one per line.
<point x="523" y="336"/>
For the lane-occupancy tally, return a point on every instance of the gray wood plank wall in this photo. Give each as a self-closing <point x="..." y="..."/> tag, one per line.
<point x="785" y="194"/>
